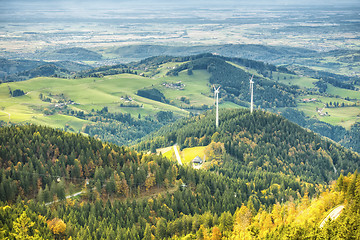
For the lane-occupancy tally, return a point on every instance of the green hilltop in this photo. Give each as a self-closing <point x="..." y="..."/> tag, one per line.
<point x="159" y="90"/>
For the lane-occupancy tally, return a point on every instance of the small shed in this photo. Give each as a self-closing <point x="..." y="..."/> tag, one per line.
<point x="197" y="160"/>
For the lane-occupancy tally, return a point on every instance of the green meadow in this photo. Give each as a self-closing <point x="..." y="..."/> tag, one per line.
<point x="195" y="94"/>
<point x="196" y="88"/>
<point x="343" y="92"/>
<point x="96" y="93"/>
<point x="343" y="116"/>
<point x="290" y="79"/>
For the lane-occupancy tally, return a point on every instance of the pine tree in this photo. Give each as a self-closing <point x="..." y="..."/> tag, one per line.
<point x="147" y="233"/>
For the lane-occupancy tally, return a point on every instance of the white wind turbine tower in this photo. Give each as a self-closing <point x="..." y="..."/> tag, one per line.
<point x="252" y="93"/>
<point x="216" y="94"/>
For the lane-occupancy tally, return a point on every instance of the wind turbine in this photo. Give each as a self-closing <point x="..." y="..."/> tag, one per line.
<point x="216" y="94"/>
<point x="252" y="93"/>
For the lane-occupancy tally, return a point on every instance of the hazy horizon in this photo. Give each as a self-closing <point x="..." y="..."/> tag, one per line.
<point x="28" y="26"/>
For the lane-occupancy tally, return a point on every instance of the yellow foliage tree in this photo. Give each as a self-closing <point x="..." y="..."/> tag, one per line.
<point x="57" y="226"/>
<point x="242" y="219"/>
<point x="22" y="226"/>
<point x="150" y="181"/>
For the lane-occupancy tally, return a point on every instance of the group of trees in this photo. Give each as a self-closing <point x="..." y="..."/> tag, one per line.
<point x="347" y="138"/>
<point x="17" y="93"/>
<point x="118" y="128"/>
<point x="337" y="104"/>
<point x="153" y="94"/>
<point x="105" y="71"/>
<point x="337" y="80"/>
<point x="122" y="128"/>
<point x="34" y="159"/>
<point x="167" y="217"/>
<point x="294" y="219"/>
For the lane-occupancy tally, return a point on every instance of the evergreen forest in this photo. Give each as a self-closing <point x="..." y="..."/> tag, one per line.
<point x="265" y="178"/>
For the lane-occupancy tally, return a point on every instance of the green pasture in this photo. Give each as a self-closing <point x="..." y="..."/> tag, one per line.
<point x="197" y="88"/>
<point x="227" y="104"/>
<point x="89" y="93"/>
<point x="188" y="154"/>
<point x="164" y="68"/>
<point x="343" y="116"/>
<point x="169" y="153"/>
<point x="290" y="79"/>
<point x="342" y="92"/>
<point x="96" y="93"/>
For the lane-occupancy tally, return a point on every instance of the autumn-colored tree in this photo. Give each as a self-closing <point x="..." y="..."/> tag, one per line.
<point x="216" y="233"/>
<point x="57" y="226"/>
<point x="242" y="219"/>
<point x="202" y="233"/>
<point x="150" y="181"/>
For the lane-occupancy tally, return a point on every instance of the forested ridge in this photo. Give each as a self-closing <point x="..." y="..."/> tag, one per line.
<point x="133" y="195"/>
<point x="33" y="158"/>
<point x="261" y="140"/>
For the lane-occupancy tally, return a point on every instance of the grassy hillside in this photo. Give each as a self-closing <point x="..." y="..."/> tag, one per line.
<point x="185" y="83"/>
<point x="89" y="93"/>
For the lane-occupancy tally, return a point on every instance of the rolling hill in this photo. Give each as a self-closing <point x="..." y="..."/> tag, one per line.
<point x="19" y="70"/>
<point x="261" y="141"/>
<point x="129" y="195"/>
<point x="184" y="85"/>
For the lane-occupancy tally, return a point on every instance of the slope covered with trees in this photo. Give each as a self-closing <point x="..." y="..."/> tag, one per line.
<point x="46" y="164"/>
<point x="264" y="159"/>
<point x="302" y="219"/>
<point x="261" y="141"/>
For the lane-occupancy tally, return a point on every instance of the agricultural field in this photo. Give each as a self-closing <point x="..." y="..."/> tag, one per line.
<point x="196" y="89"/>
<point x="188" y="154"/>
